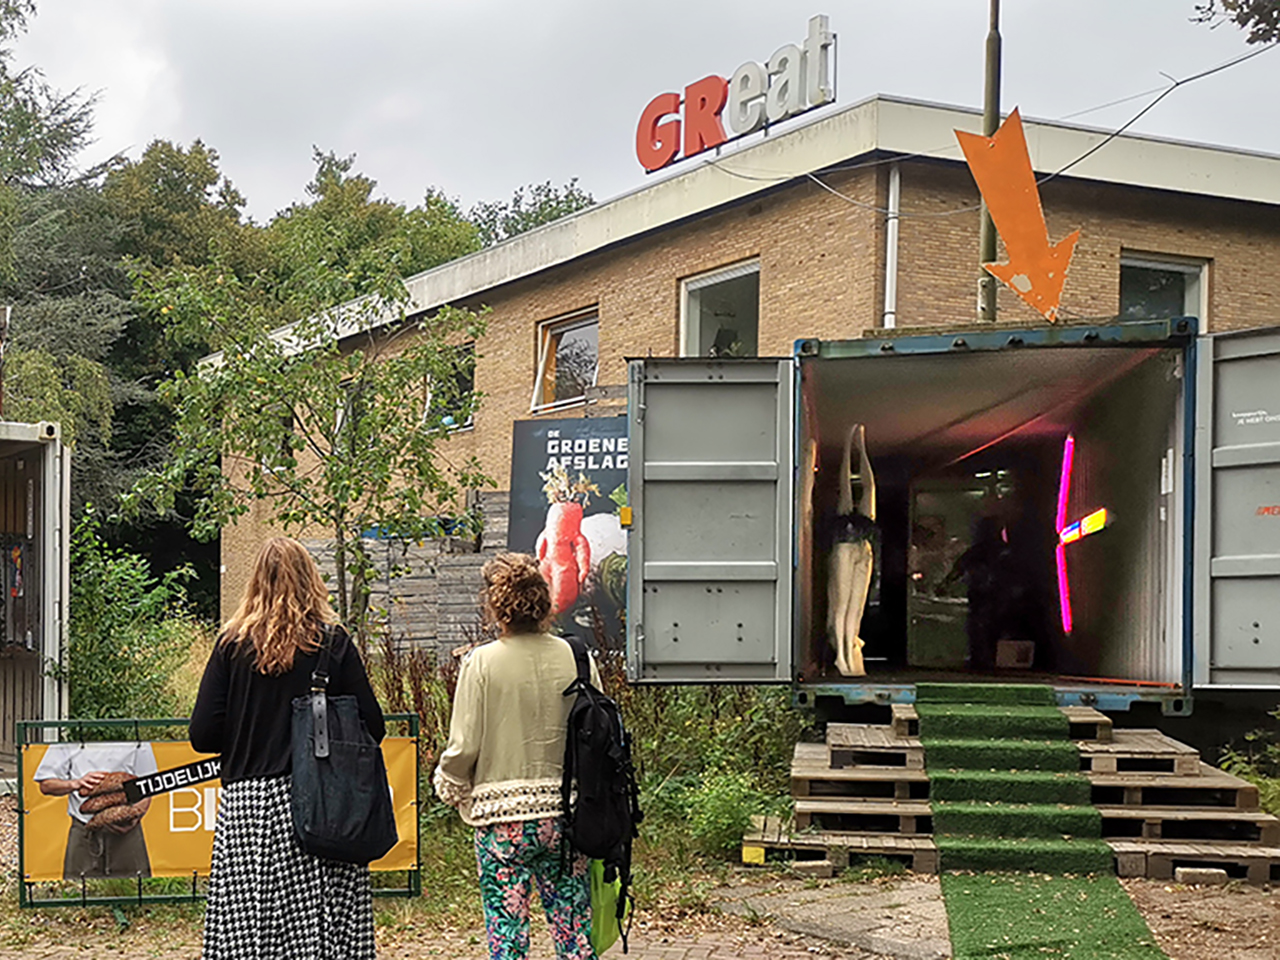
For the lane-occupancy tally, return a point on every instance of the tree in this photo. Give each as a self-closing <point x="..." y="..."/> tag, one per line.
<point x="328" y="423"/>
<point x="41" y="129"/>
<point x="1260" y="17"/>
<point x="543" y="202"/>
<point x="360" y="238"/>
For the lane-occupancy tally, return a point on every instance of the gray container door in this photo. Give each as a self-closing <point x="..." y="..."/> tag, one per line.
<point x="710" y="484"/>
<point x="1237" y="526"/>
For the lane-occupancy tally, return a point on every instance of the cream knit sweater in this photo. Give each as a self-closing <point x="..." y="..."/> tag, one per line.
<point x="505" y="754"/>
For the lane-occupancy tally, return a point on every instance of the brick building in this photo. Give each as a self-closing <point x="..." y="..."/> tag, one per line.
<point x="863" y="218"/>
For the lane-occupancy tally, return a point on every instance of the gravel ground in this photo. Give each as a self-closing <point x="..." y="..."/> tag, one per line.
<point x="1190" y="923"/>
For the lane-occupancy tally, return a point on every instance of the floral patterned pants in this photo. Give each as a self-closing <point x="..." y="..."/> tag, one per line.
<point x="509" y="855"/>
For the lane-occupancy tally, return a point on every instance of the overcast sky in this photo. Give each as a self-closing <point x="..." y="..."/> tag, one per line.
<point x="477" y="97"/>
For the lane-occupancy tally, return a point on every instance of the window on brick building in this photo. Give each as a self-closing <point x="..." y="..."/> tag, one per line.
<point x="568" y="360"/>
<point x="720" y="312"/>
<point x="450" y="398"/>
<point x="1159" y="287"/>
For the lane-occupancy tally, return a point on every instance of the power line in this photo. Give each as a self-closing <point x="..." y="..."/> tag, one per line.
<point x="939" y="152"/>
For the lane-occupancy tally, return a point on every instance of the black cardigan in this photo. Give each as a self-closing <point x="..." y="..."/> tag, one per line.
<point x="247" y="716"/>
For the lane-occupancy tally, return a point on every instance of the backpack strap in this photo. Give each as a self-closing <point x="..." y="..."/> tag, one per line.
<point x="582" y="657"/>
<point x="570" y="772"/>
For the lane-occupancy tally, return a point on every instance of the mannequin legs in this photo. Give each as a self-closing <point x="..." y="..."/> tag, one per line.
<point x="847" y="588"/>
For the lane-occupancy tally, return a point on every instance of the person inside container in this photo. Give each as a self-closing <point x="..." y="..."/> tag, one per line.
<point x="985" y="570"/>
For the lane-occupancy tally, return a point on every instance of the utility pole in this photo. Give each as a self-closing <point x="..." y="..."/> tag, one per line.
<point x="990" y="123"/>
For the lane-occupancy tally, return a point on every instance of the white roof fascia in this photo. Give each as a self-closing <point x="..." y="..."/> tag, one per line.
<point x="888" y="124"/>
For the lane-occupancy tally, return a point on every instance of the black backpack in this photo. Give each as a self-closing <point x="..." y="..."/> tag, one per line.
<point x="601" y="818"/>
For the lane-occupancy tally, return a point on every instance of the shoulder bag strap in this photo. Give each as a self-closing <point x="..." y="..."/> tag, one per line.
<point x="319" y="695"/>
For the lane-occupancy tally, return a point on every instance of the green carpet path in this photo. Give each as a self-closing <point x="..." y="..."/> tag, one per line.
<point x="1025" y="916"/>
<point x="1010" y="803"/>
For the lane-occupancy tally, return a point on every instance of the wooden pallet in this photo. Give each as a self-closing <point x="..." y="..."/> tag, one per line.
<point x="813" y="776"/>
<point x="1159" y="860"/>
<point x="1138" y="751"/>
<point x="872" y="745"/>
<point x="1192" y="825"/>
<point x="1086" y="723"/>
<point x="1211" y="788"/>
<point x="902" y="817"/>
<point x="777" y="835"/>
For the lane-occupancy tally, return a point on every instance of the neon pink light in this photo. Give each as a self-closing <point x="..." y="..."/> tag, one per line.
<point x="1060" y="554"/>
<point x="1064" y="484"/>
<point x="1064" y="591"/>
<point x="1094" y="522"/>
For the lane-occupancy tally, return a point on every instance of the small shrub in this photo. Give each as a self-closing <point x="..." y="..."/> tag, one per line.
<point x="1257" y="760"/>
<point x="127" y="634"/>
<point x="721" y="809"/>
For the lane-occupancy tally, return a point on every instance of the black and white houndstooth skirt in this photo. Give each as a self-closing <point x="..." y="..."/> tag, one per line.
<point x="270" y="900"/>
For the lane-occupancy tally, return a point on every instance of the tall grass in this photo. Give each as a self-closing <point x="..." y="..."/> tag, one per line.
<point x="707" y="758"/>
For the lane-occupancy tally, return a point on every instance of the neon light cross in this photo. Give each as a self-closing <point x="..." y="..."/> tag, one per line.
<point x="1071" y="532"/>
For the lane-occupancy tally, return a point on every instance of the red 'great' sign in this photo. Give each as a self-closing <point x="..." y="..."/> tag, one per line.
<point x="795" y="79"/>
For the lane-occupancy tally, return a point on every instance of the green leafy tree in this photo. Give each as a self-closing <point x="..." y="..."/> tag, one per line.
<point x="362" y="238"/>
<point x="528" y="207"/>
<point x="1261" y="18"/>
<point x="41" y="129"/>
<point x="124" y="635"/>
<point x="334" y="422"/>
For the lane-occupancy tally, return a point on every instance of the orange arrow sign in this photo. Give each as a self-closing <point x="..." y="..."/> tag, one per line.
<point x="1001" y="166"/>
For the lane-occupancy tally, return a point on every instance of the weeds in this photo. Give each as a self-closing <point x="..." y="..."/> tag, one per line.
<point x="1258" y="761"/>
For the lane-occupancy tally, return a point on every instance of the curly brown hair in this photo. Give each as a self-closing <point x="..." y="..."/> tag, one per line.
<point x="515" y="594"/>
<point x="283" y="607"/>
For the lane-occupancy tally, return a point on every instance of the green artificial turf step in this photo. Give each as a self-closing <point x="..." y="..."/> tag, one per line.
<point x="1060" y="756"/>
<point x="1007" y="694"/>
<point x="1008" y="786"/>
<point x="1007" y="821"/>
<point x="975" y="721"/>
<point x="1020" y="917"/>
<point x="1038" y="855"/>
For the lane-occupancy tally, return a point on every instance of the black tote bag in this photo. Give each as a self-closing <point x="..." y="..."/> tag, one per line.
<point x="341" y="800"/>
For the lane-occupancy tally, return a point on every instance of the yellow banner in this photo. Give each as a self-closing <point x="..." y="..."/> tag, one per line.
<point x="174" y="835"/>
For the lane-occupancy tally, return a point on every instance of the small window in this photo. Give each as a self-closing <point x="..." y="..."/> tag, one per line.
<point x="568" y="360"/>
<point x="1159" y="287"/>
<point x="451" y="400"/>
<point x="720" y="315"/>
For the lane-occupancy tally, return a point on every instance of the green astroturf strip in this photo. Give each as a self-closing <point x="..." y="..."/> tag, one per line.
<point x="1005" y="821"/>
<point x="1060" y="756"/>
<point x="990" y="722"/>
<point x="1008" y="786"/>
<point x="1009" y="694"/>
<point x="1040" y="854"/>
<point x="1021" y="917"/>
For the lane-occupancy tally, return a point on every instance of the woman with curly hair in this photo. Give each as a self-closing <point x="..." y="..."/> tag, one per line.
<point x="268" y="898"/>
<point x="503" y="763"/>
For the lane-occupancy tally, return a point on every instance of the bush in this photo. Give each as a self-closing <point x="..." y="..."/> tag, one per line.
<point x="128" y="631"/>
<point x="1258" y="761"/>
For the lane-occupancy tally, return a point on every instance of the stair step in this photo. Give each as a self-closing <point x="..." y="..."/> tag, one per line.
<point x="1160" y="859"/>
<point x="1085" y="723"/>
<point x="1009" y="821"/>
<point x="875" y="745"/>
<point x="1209" y="787"/>
<point x="1139" y="751"/>
<point x="1040" y="855"/>
<point x="844" y="815"/>
<point x="774" y="835"/>
<point x="1195" y="824"/>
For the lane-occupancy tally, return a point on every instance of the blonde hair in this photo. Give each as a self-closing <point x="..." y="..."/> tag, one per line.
<point x="283" y="607"/>
<point x="515" y="593"/>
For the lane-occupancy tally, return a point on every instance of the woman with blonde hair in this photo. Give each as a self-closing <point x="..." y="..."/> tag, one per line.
<point x="503" y="763"/>
<point x="268" y="898"/>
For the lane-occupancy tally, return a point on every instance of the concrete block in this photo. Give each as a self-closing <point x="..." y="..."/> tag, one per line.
<point x="1201" y="876"/>
<point x="822" y="869"/>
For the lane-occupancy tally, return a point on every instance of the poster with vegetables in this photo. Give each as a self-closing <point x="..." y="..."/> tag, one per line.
<point x="568" y="486"/>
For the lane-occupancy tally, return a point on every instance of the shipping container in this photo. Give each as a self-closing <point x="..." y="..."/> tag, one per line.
<point x="1122" y="480"/>
<point x="35" y="475"/>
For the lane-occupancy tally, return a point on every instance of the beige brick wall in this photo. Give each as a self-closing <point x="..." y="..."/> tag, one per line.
<point x="822" y="275"/>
